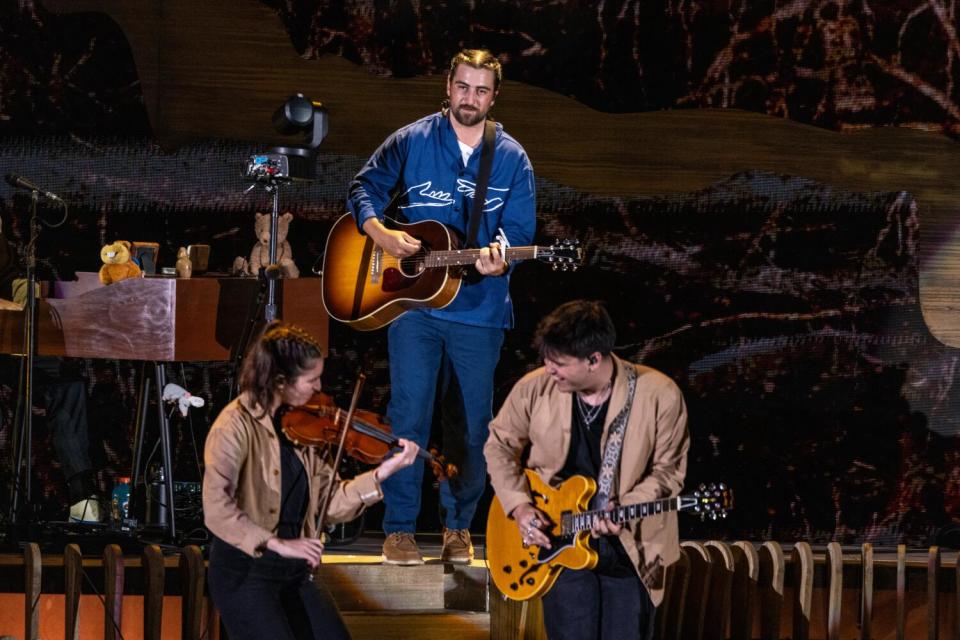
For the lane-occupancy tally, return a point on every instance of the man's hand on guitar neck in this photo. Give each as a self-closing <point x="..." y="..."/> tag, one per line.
<point x="604" y="526"/>
<point x="397" y="243"/>
<point x="491" y="262"/>
<point x="531" y="522"/>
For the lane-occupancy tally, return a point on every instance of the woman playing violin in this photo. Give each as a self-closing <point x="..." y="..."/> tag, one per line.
<point x="262" y="496"/>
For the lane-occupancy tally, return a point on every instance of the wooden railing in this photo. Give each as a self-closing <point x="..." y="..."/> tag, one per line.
<point x="197" y="616"/>
<point x="715" y="591"/>
<point x="742" y="591"/>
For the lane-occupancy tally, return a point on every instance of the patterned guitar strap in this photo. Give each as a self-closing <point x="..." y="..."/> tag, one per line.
<point x="611" y="453"/>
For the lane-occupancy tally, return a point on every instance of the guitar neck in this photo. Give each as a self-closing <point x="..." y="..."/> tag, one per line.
<point x="457" y="257"/>
<point x="574" y="523"/>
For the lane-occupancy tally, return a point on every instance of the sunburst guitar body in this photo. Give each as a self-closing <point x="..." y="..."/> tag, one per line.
<point x="523" y="571"/>
<point x="367" y="288"/>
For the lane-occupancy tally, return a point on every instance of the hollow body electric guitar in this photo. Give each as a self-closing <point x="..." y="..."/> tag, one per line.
<point x="523" y="571"/>
<point x="367" y="288"/>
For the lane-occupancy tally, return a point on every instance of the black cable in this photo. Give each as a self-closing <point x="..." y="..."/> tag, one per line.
<point x="193" y="435"/>
<point x="103" y="600"/>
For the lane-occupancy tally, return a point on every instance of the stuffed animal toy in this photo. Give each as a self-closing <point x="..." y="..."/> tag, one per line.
<point x="117" y="265"/>
<point x="174" y="393"/>
<point x="260" y="256"/>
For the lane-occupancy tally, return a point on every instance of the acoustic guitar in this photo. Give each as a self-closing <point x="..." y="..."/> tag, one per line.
<point x="367" y="288"/>
<point x="523" y="571"/>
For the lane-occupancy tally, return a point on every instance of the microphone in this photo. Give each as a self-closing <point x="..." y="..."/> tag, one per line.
<point x="20" y="182"/>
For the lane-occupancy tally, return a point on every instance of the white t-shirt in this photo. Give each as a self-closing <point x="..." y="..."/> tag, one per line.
<point x="465" y="151"/>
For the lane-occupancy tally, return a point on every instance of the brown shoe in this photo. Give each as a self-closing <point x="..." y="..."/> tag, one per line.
<point x="400" y="548"/>
<point x="457" y="547"/>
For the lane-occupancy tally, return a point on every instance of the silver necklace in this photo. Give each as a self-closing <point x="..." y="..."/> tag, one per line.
<point x="588" y="413"/>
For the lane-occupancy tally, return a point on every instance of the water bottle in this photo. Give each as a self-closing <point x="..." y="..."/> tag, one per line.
<point x="120" y="502"/>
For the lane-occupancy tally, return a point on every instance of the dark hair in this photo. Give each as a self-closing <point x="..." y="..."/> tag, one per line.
<point x="478" y="59"/>
<point x="577" y="328"/>
<point x="280" y="354"/>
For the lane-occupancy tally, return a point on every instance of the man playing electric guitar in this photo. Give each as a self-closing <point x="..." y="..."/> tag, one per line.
<point x="586" y="412"/>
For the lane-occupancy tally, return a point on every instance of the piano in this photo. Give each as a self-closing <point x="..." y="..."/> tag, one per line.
<point x="160" y="319"/>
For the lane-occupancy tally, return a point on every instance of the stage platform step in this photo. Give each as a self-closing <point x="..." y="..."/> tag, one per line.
<point x="418" y="625"/>
<point x="431" y="601"/>
<point x="358" y="584"/>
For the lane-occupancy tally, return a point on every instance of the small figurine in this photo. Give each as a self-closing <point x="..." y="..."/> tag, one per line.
<point x="184" y="266"/>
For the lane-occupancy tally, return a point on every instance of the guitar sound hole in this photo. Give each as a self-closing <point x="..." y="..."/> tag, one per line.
<point x="508" y="569"/>
<point x="412" y="266"/>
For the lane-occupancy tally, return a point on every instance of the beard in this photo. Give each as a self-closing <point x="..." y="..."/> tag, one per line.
<point x="468" y="117"/>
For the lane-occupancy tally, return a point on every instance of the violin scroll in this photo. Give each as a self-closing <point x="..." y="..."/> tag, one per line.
<point x="442" y="469"/>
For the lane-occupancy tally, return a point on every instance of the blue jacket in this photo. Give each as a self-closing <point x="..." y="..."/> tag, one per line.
<point x="424" y="158"/>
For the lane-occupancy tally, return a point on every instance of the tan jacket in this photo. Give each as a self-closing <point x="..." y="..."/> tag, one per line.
<point x="241" y="483"/>
<point x="653" y="461"/>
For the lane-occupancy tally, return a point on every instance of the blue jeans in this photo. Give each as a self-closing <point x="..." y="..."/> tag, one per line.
<point x="421" y="348"/>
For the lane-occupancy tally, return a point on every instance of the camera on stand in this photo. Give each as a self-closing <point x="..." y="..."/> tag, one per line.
<point x="282" y="164"/>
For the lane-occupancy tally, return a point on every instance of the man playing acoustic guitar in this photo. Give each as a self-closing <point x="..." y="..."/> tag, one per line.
<point x="433" y="167"/>
<point x="588" y="413"/>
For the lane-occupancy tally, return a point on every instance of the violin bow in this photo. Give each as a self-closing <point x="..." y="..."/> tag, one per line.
<point x="321" y="519"/>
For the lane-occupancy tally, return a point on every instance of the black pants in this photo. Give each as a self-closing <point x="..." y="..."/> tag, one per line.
<point x="607" y="603"/>
<point x="270" y="597"/>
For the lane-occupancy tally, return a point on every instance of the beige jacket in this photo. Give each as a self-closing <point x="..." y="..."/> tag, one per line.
<point x="653" y="460"/>
<point x="241" y="483"/>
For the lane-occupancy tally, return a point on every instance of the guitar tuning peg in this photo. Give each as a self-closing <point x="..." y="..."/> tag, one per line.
<point x="723" y="514"/>
<point x="702" y="487"/>
<point x="722" y="486"/>
<point x="713" y="516"/>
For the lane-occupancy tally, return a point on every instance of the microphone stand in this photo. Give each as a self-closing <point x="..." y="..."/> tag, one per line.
<point x="23" y="422"/>
<point x="270" y="275"/>
<point x="272" y="272"/>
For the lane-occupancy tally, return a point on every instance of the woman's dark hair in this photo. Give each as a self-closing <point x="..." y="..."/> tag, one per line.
<point x="577" y="328"/>
<point x="280" y="354"/>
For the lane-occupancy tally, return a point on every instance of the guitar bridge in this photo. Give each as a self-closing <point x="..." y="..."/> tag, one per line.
<point x="376" y="265"/>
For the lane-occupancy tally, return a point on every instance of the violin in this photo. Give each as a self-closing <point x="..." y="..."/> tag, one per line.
<point x="368" y="438"/>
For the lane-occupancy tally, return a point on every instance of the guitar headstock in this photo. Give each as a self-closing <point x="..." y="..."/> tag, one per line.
<point x="713" y="501"/>
<point x="562" y="255"/>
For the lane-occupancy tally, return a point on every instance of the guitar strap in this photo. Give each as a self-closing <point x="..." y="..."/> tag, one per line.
<point x="611" y="453"/>
<point x="480" y="192"/>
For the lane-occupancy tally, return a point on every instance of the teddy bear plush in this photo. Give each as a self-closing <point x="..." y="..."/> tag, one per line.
<point x="117" y="265"/>
<point x="260" y="256"/>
